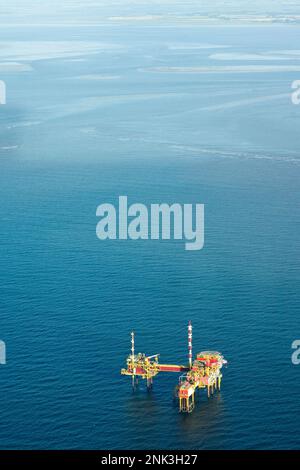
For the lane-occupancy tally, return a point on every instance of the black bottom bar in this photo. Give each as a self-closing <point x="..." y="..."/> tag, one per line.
<point x="134" y="459"/>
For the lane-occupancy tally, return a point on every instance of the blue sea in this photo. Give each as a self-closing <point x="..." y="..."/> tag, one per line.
<point x="87" y="123"/>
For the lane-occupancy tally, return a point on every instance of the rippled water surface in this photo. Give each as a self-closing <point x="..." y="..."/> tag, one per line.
<point x="84" y="127"/>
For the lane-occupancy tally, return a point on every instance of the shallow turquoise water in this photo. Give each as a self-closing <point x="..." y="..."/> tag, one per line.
<point x="68" y="301"/>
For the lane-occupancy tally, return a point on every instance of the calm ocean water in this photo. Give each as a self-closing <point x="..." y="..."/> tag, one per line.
<point x="68" y="301"/>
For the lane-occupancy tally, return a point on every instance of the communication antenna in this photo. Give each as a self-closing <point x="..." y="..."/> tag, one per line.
<point x="190" y="335"/>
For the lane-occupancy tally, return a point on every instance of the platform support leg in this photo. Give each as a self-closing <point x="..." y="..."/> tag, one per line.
<point x="149" y="383"/>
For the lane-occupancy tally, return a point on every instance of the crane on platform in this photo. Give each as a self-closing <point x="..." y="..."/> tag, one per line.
<point x="203" y="372"/>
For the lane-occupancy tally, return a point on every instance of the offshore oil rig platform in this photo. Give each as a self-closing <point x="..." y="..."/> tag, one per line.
<point x="203" y="372"/>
